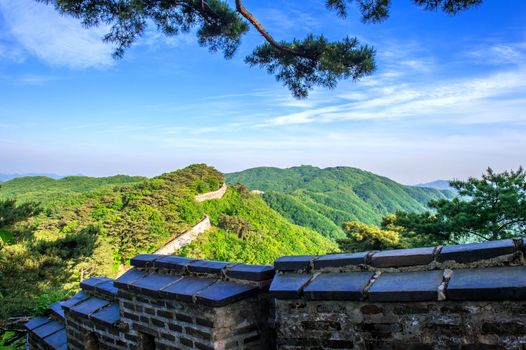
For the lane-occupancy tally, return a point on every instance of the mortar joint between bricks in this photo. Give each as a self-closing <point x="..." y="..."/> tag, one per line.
<point x="365" y="293"/>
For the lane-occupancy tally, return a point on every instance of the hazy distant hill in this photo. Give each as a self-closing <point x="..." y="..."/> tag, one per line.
<point x="6" y="177"/>
<point x="45" y="189"/>
<point x="438" y="184"/>
<point x="325" y="198"/>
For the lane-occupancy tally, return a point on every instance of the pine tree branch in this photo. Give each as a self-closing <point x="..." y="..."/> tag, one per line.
<point x="259" y="27"/>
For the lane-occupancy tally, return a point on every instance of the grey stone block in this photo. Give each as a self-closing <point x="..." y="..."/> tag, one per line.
<point x="406" y="286"/>
<point x="207" y="266"/>
<point x="495" y="283"/>
<point x="128" y="278"/>
<point x="175" y="263"/>
<point x="186" y="288"/>
<point x="251" y="272"/>
<point x="466" y="253"/>
<point x="340" y="260"/>
<point x="223" y="293"/>
<point x="108" y="315"/>
<point x="403" y="257"/>
<point x="338" y="286"/>
<point x="288" y="286"/>
<point x="294" y="263"/>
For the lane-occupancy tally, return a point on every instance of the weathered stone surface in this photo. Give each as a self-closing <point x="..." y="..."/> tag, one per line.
<point x="109" y="315"/>
<point x="406" y="286"/>
<point x="175" y="263"/>
<point x="186" y="288"/>
<point x="495" y="283"/>
<point x="89" y="306"/>
<point x="340" y="260"/>
<point x="251" y="272"/>
<point x="466" y="253"/>
<point x="153" y="283"/>
<point x="128" y="278"/>
<point x="223" y="293"/>
<point x="288" y="286"/>
<point x="144" y="260"/>
<point x="294" y="263"/>
<point x="207" y="266"/>
<point x="338" y="286"/>
<point x="403" y="257"/>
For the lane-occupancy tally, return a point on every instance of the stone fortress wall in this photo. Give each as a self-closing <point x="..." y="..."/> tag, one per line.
<point x="212" y="195"/>
<point x="464" y="297"/>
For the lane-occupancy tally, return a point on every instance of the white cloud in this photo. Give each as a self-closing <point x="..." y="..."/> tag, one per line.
<point x="54" y="39"/>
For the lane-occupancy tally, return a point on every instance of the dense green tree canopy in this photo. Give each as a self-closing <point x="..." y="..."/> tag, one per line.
<point x="489" y="208"/>
<point x="299" y="64"/>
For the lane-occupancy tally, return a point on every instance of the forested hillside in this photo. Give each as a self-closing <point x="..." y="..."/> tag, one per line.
<point x="91" y="227"/>
<point x="323" y="199"/>
<point x="45" y="189"/>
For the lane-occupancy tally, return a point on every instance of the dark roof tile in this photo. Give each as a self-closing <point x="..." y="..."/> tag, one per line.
<point x="47" y="329"/>
<point x="57" y="339"/>
<point x="128" y="278"/>
<point x="340" y="260"/>
<point x="74" y="300"/>
<point x="403" y="257"/>
<point x="251" y="272"/>
<point x="466" y="253"/>
<point x="186" y="288"/>
<point x="496" y="283"/>
<point x="144" y="260"/>
<point x="294" y="263"/>
<point x="406" y="286"/>
<point x="36" y="322"/>
<point x="175" y="263"/>
<point x="338" y="286"/>
<point x="56" y="309"/>
<point x="153" y="283"/>
<point x="108" y="315"/>
<point x="223" y="293"/>
<point x="89" y="306"/>
<point x="207" y="266"/>
<point x="288" y="286"/>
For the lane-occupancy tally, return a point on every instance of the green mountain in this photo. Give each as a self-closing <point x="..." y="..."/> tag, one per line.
<point x="323" y="199"/>
<point x="91" y="227"/>
<point x="45" y="190"/>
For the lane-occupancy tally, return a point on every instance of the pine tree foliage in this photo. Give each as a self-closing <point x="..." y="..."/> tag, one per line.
<point x="300" y="64"/>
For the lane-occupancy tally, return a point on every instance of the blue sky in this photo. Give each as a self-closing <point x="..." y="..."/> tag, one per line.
<point x="447" y="101"/>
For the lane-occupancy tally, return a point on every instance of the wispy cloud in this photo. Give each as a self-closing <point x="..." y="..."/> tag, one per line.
<point x="54" y="39"/>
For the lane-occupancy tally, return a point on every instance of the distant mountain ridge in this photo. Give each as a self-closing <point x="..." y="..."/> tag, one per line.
<point x="439" y="185"/>
<point x="323" y="199"/>
<point x="7" y="177"/>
